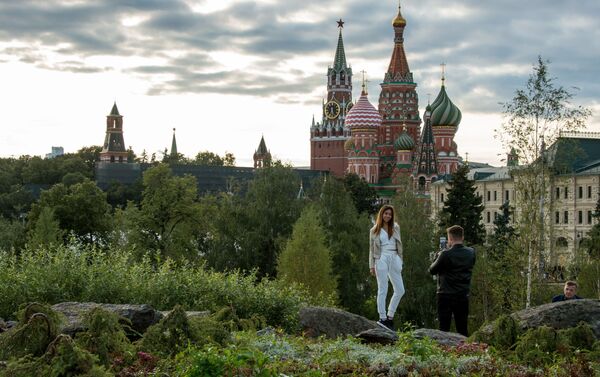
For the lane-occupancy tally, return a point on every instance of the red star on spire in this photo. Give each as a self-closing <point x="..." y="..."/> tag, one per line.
<point x="340" y="23"/>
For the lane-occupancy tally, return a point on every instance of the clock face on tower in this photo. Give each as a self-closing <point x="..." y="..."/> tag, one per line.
<point x="332" y="109"/>
<point x="349" y="107"/>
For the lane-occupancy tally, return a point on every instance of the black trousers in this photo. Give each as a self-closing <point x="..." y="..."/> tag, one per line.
<point x="457" y="305"/>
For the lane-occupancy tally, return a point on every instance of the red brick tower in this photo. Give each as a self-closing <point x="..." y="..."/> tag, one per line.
<point x="327" y="137"/>
<point x="398" y="101"/>
<point x="113" y="149"/>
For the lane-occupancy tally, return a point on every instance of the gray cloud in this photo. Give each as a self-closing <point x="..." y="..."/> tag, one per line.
<point x="477" y="40"/>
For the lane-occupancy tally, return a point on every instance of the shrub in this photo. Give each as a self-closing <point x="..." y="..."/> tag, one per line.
<point x="104" y="337"/>
<point x="83" y="273"/>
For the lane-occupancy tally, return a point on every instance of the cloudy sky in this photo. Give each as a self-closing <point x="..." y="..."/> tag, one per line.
<point x="225" y="72"/>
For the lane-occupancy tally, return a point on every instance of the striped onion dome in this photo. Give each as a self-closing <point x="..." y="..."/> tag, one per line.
<point x="363" y="114"/>
<point x="444" y="112"/>
<point x="404" y="142"/>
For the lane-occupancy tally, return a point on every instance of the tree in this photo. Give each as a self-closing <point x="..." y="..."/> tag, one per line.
<point x="347" y="238"/>
<point x="363" y="195"/>
<point x="208" y="159"/>
<point x="417" y="232"/>
<point x="463" y="207"/>
<point x="80" y="209"/>
<point x="535" y="117"/>
<point x="46" y="231"/>
<point x="306" y="258"/>
<point x="166" y="219"/>
<point x="12" y="235"/>
<point x="266" y="216"/>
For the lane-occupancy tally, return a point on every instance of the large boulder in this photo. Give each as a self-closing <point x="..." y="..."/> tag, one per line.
<point x="378" y="335"/>
<point x="440" y="337"/>
<point x="141" y="316"/>
<point x="316" y="321"/>
<point x="558" y="315"/>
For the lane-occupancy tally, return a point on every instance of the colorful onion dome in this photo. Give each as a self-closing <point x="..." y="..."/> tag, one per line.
<point x="404" y="142"/>
<point x="399" y="21"/>
<point x="363" y="114"/>
<point x="349" y="145"/>
<point x="444" y="112"/>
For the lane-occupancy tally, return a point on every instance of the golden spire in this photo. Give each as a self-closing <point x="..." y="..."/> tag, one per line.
<point x="399" y="21"/>
<point x="364" y="82"/>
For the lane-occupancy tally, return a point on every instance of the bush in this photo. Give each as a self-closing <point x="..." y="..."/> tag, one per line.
<point x="83" y="273"/>
<point x="104" y="337"/>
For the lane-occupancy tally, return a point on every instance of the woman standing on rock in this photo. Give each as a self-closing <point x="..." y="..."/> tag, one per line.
<point x="385" y="262"/>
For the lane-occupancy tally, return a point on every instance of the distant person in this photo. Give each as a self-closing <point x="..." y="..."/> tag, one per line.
<point x="454" y="267"/>
<point x="570" y="292"/>
<point x="385" y="262"/>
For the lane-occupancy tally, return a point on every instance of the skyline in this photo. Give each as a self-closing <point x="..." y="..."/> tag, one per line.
<point x="225" y="73"/>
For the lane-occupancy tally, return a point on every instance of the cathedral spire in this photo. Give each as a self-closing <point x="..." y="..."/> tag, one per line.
<point x="427" y="164"/>
<point x="398" y="69"/>
<point x="174" y="145"/>
<point x="339" y="62"/>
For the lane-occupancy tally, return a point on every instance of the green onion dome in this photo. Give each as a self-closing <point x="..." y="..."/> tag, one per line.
<point x="404" y="142"/>
<point x="444" y="112"/>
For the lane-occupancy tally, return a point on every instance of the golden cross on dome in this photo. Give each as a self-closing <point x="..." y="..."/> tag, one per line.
<point x="364" y="81"/>
<point x="340" y="23"/>
<point x="443" y="65"/>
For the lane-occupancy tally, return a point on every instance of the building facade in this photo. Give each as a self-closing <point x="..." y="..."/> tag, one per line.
<point x="398" y="147"/>
<point x="571" y="195"/>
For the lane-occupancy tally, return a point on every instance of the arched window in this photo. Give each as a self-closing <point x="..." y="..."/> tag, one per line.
<point x="421" y="183"/>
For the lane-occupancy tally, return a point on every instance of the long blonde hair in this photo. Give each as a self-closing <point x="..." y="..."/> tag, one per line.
<point x="379" y="223"/>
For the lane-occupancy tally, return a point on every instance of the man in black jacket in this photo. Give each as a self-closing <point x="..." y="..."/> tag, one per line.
<point x="454" y="267"/>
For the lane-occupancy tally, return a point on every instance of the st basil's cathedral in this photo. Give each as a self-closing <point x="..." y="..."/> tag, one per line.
<point x="387" y="144"/>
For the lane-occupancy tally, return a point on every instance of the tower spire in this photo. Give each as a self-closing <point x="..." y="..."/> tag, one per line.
<point x="174" y="145"/>
<point x="339" y="62"/>
<point x="364" y="83"/>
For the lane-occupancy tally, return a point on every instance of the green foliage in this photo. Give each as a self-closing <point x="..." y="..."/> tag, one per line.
<point x="170" y="335"/>
<point x="417" y="232"/>
<point x="104" y="337"/>
<point x="38" y="326"/>
<point x="213" y="159"/>
<point x="81" y="209"/>
<point x="82" y="273"/>
<point x="306" y="259"/>
<point x="503" y="334"/>
<point x="363" y="196"/>
<point x="347" y="238"/>
<point x="580" y="337"/>
<point x="46" y="231"/>
<point x="12" y="234"/>
<point x="165" y="221"/>
<point x="63" y="358"/>
<point x="463" y="207"/>
<point x="537" y="346"/>
<point x="589" y="279"/>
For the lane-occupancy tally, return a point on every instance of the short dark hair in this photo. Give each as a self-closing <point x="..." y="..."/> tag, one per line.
<point x="456" y="232"/>
<point x="570" y="283"/>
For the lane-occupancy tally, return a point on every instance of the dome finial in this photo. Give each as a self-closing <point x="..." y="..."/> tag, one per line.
<point x="364" y="83"/>
<point x="443" y="65"/>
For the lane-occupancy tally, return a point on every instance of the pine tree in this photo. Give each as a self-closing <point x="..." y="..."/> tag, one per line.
<point x="503" y="231"/>
<point x="463" y="207"/>
<point x="306" y="258"/>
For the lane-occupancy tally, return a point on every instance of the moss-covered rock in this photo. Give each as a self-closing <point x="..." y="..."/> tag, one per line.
<point x="502" y="333"/>
<point x="62" y="359"/>
<point x="105" y="336"/>
<point x="37" y="327"/>
<point x="538" y="346"/>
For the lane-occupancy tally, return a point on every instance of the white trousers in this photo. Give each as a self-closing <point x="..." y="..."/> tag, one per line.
<point x="388" y="267"/>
